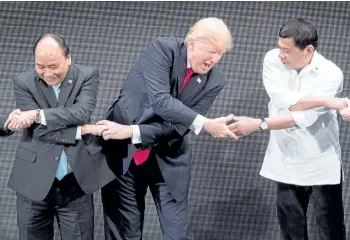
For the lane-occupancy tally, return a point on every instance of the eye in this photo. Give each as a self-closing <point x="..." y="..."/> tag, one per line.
<point x="53" y="67"/>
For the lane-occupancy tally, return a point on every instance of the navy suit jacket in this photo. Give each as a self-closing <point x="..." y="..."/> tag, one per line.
<point x="151" y="99"/>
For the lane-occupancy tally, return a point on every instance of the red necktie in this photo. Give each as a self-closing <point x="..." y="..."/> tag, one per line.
<point x="140" y="156"/>
<point x="187" y="78"/>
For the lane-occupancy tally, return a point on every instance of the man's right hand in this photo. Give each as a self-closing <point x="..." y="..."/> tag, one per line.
<point x="218" y="128"/>
<point x="337" y="103"/>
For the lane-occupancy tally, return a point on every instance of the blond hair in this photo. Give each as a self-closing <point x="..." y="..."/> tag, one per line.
<point x="213" y="29"/>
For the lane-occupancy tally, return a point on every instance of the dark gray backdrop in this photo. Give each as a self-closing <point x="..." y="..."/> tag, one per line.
<point x="229" y="200"/>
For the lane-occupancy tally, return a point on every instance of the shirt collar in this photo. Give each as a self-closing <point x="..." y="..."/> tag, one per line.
<point x="188" y="64"/>
<point x="314" y="64"/>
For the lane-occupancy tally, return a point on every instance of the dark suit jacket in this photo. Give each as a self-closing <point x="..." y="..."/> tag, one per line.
<point x="38" y="153"/>
<point x="4" y="131"/>
<point x="151" y="98"/>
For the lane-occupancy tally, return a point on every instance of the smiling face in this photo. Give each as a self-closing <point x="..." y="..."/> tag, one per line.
<point x="51" y="63"/>
<point x="203" y="54"/>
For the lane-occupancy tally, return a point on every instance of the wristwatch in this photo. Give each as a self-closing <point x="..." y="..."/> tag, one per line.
<point x="263" y="125"/>
<point x="37" y="116"/>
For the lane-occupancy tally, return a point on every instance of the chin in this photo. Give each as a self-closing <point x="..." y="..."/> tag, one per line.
<point x="52" y="82"/>
<point x="288" y="66"/>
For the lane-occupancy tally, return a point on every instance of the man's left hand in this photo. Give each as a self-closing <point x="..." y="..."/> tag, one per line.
<point x="115" y="130"/>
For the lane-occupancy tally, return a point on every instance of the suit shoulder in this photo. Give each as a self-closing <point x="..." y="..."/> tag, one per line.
<point x="25" y="76"/>
<point x="217" y="76"/>
<point x="167" y="43"/>
<point x="85" y="71"/>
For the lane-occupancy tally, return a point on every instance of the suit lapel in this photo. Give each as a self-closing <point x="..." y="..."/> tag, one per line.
<point x="194" y="86"/>
<point x="48" y="93"/>
<point x="66" y="87"/>
<point x="181" y="68"/>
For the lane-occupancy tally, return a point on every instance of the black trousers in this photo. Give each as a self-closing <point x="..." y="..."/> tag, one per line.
<point x="73" y="209"/>
<point x="292" y="204"/>
<point x="124" y="205"/>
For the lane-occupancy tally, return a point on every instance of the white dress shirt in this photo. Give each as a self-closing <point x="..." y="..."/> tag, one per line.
<point x="309" y="153"/>
<point x="196" y="125"/>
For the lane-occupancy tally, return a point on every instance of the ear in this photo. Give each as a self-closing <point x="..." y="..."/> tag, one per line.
<point x="310" y="49"/>
<point x="69" y="59"/>
<point x="191" y="41"/>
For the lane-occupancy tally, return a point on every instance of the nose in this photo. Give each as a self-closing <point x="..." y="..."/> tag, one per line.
<point x="281" y="56"/>
<point x="48" y="73"/>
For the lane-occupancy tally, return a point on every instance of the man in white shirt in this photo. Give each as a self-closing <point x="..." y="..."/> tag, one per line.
<point x="303" y="155"/>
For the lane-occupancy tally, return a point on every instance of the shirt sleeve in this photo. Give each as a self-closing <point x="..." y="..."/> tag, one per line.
<point x="273" y="77"/>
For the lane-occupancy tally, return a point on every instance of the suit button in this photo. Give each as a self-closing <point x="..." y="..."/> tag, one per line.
<point x="57" y="158"/>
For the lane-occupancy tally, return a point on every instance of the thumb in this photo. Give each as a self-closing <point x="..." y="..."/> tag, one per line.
<point x="237" y="118"/>
<point x="229" y="118"/>
<point x="102" y="122"/>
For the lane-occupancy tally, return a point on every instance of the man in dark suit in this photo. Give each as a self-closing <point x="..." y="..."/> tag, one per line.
<point x="158" y="106"/>
<point x="57" y="166"/>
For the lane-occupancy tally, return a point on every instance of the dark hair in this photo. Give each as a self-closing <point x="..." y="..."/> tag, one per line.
<point x="59" y="39"/>
<point x="302" y="31"/>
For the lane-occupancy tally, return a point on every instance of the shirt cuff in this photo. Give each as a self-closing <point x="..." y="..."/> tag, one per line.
<point x="197" y="124"/>
<point x="42" y="118"/>
<point x="136" y="135"/>
<point x="78" y="136"/>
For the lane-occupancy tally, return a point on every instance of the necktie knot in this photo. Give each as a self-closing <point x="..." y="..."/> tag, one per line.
<point x="189" y="71"/>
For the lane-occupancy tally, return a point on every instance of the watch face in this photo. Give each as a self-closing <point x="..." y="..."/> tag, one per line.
<point x="263" y="125"/>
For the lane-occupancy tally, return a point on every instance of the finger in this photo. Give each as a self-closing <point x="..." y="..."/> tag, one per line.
<point x="231" y="135"/>
<point x="26" y="123"/>
<point x="233" y="126"/>
<point x="109" y="136"/>
<point x="103" y="122"/>
<point x="8" y="121"/>
<point x="109" y="132"/>
<point x="237" y="133"/>
<point x="103" y="128"/>
<point x="347" y="101"/>
<point x="15" y="112"/>
<point x="105" y="137"/>
<point x="229" y="118"/>
<point x="10" y="126"/>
